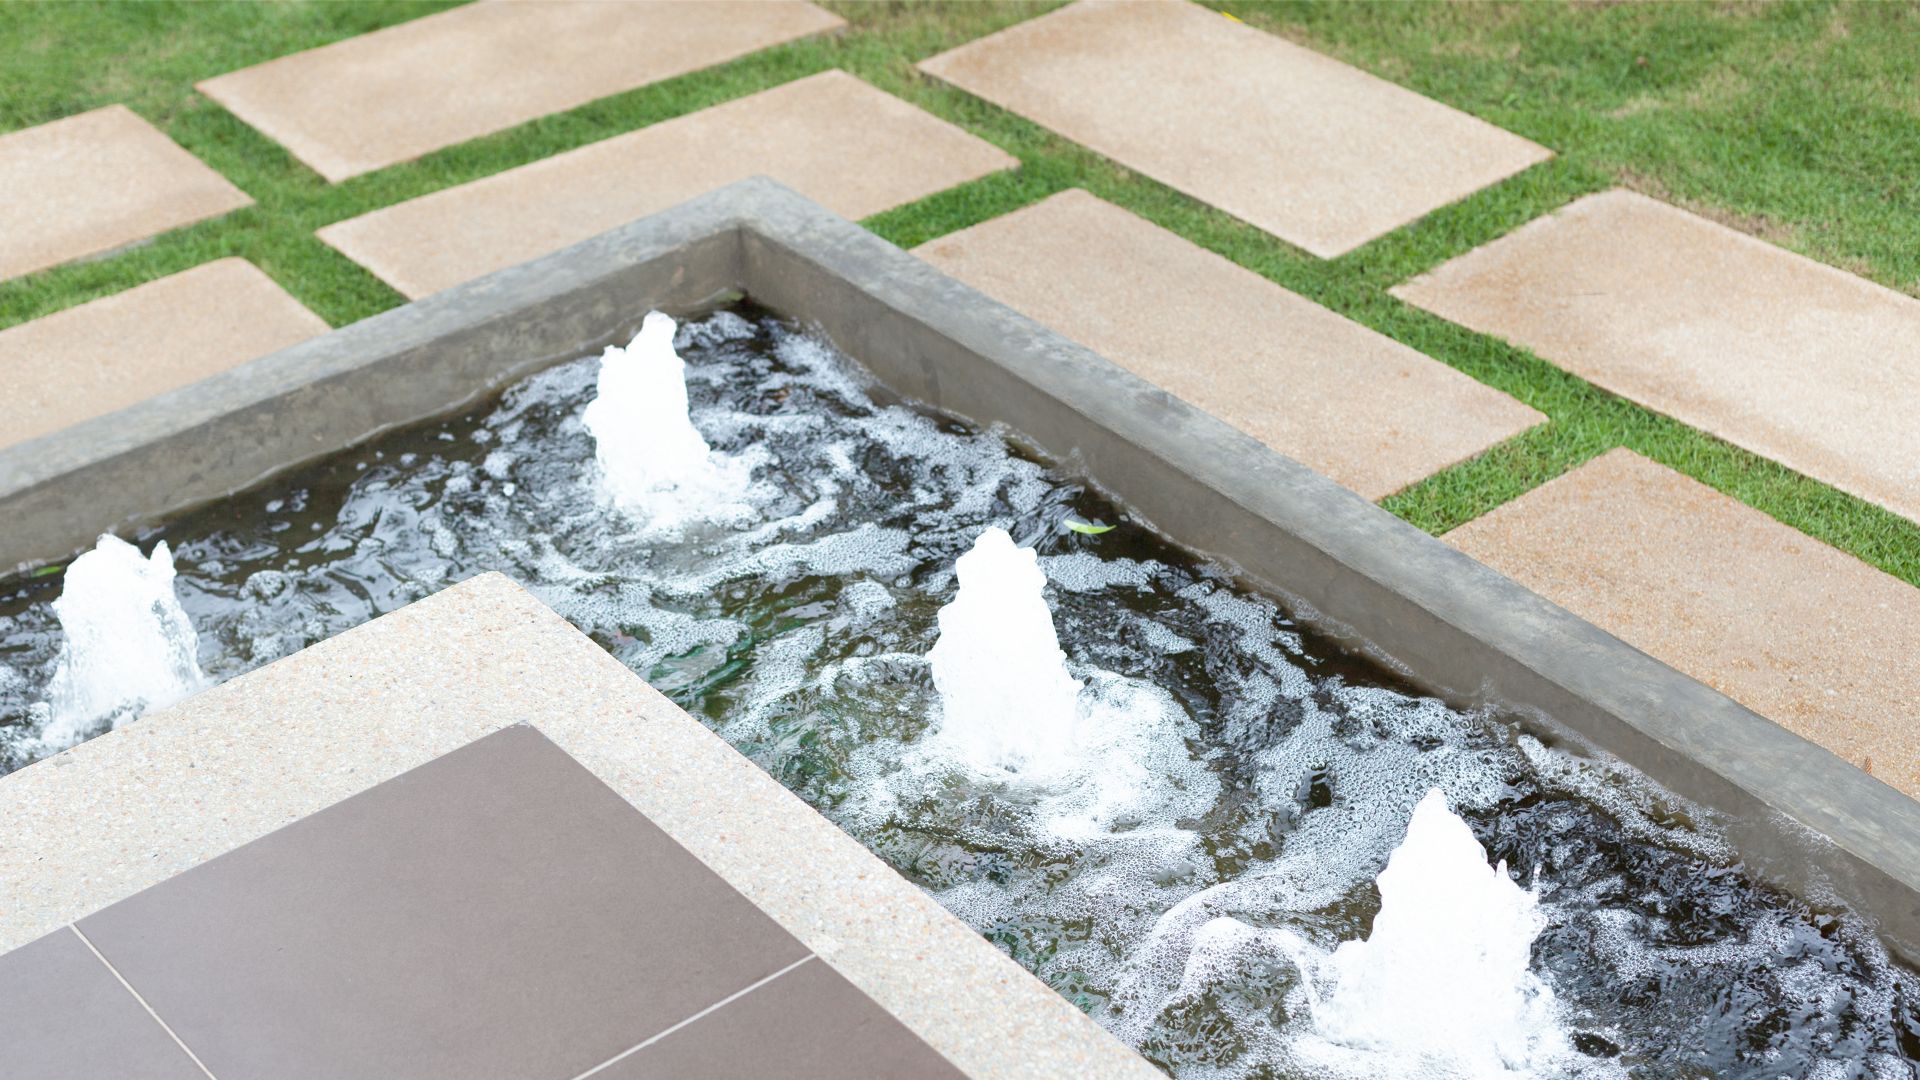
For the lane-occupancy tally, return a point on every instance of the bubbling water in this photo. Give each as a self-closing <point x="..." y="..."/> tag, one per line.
<point x="1007" y="702"/>
<point x="653" y="462"/>
<point x="129" y="646"/>
<point x="1443" y="984"/>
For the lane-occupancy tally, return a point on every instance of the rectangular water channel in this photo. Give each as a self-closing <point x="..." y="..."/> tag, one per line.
<point x="1213" y="830"/>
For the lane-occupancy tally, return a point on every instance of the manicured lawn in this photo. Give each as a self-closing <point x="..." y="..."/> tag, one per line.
<point x="1796" y="122"/>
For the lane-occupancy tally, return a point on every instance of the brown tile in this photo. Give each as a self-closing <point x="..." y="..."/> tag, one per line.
<point x="808" y="1024"/>
<point x="108" y="354"/>
<point x="390" y="96"/>
<point x="1347" y="402"/>
<point x="68" y="1018"/>
<point x="497" y="912"/>
<point x="1808" y="636"/>
<point x="1800" y="362"/>
<point x="831" y="137"/>
<point x="1322" y="155"/>
<point x="91" y="183"/>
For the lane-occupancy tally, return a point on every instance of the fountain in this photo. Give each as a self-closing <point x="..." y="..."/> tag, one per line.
<point x="1007" y="701"/>
<point x="1174" y="831"/>
<point x="129" y="647"/>
<point x="1444" y="980"/>
<point x="653" y="461"/>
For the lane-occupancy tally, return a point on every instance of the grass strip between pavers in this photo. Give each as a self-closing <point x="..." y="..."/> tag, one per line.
<point x="1795" y="122"/>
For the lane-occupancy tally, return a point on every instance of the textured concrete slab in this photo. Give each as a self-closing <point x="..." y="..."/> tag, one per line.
<point x="88" y="184"/>
<point x="1808" y="636"/>
<point x="852" y="148"/>
<point x="104" y="355"/>
<point x="1789" y="358"/>
<point x="390" y="96"/>
<point x="1345" y="401"/>
<point x="1322" y="155"/>
<point x="134" y="807"/>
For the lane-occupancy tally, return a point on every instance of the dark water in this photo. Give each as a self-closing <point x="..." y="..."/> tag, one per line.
<point x="1247" y="770"/>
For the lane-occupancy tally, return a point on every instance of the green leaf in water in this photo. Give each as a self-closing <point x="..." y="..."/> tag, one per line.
<point x="46" y="571"/>
<point x="1085" y="528"/>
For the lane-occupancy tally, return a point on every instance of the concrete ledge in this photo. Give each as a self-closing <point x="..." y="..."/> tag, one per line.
<point x="110" y="817"/>
<point x="1801" y="816"/>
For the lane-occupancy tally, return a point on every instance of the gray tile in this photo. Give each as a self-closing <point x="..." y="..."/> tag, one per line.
<point x="809" y="1024"/>
<point x="496" y="912"/>
<point x="68" y="1018"/>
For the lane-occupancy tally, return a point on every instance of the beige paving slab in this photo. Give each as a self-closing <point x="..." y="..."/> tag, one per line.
<point x="1794" y="360"/>
<point x="101" y="180"/>
<point x="1808" y="636"/>
<point x="390" y="96"/>
<point x="831" y="137"/>
<point x="1336" y="396"/>
<point x="107" y="354"/>
<point x="1320" y="154"/>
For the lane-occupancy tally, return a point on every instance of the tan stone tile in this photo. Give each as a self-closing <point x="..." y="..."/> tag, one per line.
<point x="1800" y="362"/>
<point x="831" y="137"/>
<point x="390" y="96"/>
<point x="1812" y="638"/>
<point x="1322" y="155"/>
<point x="108" y="354"/>
<point x="1353" y="404"/>
<point x="91" y="183"/>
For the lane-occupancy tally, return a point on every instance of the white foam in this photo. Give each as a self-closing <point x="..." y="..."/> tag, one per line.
<point x="1007" y="703"/>
<point x="653" y="462"/>
<point x="1444" y="979"/>
<point x="716" y="329"/>
<point x="1083" y="571"/>
<point x="1129" y="771"/>
<point x="129" y="647"/>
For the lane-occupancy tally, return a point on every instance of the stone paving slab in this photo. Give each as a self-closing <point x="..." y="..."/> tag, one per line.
<point x="1805" y="635"/>
<point x="88" y="184"/>
<point x="831" y="137"/>
<point x="1789" y="358"/>
<point x="107" y="354"/>
<point x="1336" y="396"/>
<point x="1320" y="154"/>
<point x="390" y="96"/>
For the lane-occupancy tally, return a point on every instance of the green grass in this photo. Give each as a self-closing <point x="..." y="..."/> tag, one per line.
<point x="1796" y="122"/>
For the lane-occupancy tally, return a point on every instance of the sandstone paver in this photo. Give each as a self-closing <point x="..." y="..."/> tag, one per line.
<point x="87" y="184"/>
<point x="1320" y="154"/>
<point x="1342" y="399"/>
<point x="1791" y="359"/>
<point x="831" y="137"/>
<point x="1808" y="636"/>
<point x="390" y="96"/>
<point x="108" y="354"/>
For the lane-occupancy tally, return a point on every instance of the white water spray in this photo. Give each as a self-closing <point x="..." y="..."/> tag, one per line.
<point x="1007" y="701"/>
<point x="1444" y="982"/>
<point x="129" y="647"/>
<point x="653" y="461"/>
